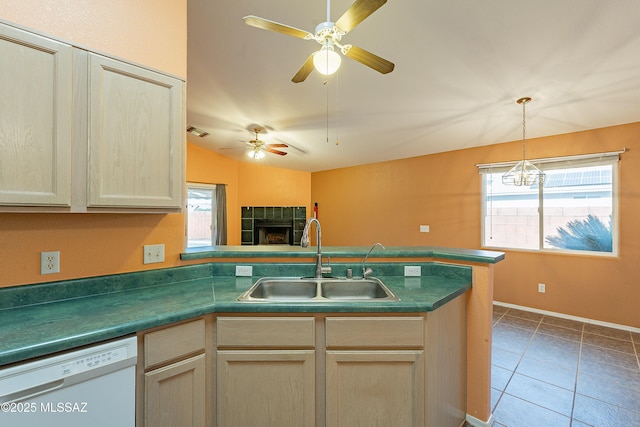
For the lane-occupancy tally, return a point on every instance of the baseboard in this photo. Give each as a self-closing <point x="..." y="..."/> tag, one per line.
<point x="569" y="317"/>
<point x="479" y="423"/>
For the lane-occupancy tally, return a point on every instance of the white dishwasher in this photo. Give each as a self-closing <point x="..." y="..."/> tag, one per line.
<point x="93" y="386"/>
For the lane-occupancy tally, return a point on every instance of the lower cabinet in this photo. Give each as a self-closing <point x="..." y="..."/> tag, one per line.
<point x="375" y="388"/>
<point x="173" y="376"/>
<point x="322" y="370"/>
<point x="378" y="379"/>
<point x="266" y="388"/>
<point x="175" y="394"/>
<point x="266" y="372"/>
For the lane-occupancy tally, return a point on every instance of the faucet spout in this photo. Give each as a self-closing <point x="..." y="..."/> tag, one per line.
<point x="304" y="242"/>
<point x="368" y="271"/>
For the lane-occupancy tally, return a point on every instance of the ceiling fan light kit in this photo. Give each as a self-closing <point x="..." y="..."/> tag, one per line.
<point x="524" y="172"/>
<point x="258" y="148"/>
<point x="326" y="60"/>
<point x="256" y="153"/>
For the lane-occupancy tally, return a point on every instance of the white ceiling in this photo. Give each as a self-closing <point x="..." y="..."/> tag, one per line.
<point x="460" y="65"/>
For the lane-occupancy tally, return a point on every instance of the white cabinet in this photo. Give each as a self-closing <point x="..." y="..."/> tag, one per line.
<point x="83" y="132"/>
<point x="35" y="119"/>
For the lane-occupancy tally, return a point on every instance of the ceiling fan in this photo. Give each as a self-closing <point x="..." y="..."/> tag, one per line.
<point x="328" y="34"/>
<point x="259" y="147"/>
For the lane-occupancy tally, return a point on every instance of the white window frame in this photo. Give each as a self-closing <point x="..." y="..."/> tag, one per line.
<point x="211" y="188"/>
<point x="549" y="164"/>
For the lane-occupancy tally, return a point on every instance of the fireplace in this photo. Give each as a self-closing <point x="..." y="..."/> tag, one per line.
<point x="272" y="225"/>
<point x="273" y="232"/>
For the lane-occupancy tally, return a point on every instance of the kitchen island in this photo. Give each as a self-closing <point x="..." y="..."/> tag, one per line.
<point x="46" y="318"/>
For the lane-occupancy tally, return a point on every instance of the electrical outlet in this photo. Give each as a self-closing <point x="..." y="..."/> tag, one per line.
<point x="153" y="253"/>
<point x="541" y="288"/>
<point x="424" y="228"/>
<point x="49" y="262"/>
<point x="412" y="270"/>
<point x="244" y="270"/>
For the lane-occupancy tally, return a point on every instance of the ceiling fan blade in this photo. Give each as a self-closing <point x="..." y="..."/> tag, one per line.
<point x="369" y="59"/>
<point x="278" y="152"/>
<point x="358" y="12"/>
<point x="265" y="24"/>
<point x="277" y="145"/>
<point x="304" y="71"/>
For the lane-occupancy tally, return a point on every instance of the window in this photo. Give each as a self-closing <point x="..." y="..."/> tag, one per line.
<point x="201" y="208"/>
<point x="574" y="211"/>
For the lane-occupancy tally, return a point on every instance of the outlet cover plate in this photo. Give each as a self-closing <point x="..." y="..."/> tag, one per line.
<point x="424" y="228"/>
<point x="153" y="253"/>
<point x="412" y="270"/>
<point x="49" y="262"/>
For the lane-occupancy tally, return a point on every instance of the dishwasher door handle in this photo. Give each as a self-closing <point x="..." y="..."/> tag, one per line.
<point x="31" y="391"/>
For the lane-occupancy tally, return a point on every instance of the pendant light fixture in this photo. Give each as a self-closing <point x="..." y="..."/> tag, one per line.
<point x="524" y="172"/>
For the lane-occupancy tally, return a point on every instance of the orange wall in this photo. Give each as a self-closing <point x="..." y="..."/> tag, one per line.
<point x="152" y="33"/>
<point x="147" y="32"/>
<point x="387" y="202"/>
<point x="248" y="184"/>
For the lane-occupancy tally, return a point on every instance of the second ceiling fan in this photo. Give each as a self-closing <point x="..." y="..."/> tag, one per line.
<point x="328" y="34"/>
<point x="258" y="147"/>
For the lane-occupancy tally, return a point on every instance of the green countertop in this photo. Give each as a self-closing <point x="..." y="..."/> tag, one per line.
<point x="46" y="318"/>
<point x="286" y="251"/>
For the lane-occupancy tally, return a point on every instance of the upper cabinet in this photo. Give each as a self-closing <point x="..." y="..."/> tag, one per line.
<point x="84" y="132"/>
<point x="35" y="119"/>
<point x="136" y="135"/>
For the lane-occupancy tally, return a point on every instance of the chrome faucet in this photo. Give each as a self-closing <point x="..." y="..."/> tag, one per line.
<point x="368" y="271"/>
<point x="304" y="242"/>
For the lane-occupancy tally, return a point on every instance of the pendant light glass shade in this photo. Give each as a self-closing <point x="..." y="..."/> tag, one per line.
<point x="524" y="172"/>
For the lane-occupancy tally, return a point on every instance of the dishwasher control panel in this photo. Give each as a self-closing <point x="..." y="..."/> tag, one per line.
<point x="94" y="360"/>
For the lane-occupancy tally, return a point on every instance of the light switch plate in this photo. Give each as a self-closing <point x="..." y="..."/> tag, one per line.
<point x="244" y="270"/>
<point x="153" y="253"/>
<point x="412" y="270"/>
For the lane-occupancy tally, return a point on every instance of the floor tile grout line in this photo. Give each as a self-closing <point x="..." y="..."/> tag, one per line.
<point x="575" y="385"/>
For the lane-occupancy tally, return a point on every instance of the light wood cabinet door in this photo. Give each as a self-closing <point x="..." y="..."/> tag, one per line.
<point x="136" y="136"/>
<point x="176" y="394"/>
<point x="375" y="388"/>
<point x="35" y="119"/>
<point x="268" y="388"/>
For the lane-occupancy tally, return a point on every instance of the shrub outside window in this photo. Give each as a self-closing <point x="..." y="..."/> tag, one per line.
<point x="574" y="211"/>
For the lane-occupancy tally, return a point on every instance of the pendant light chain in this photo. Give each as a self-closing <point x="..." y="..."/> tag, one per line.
<point x="523" y="173"/>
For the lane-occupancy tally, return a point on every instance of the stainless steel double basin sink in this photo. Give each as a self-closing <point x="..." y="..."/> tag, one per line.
<point x="291" y="290"/>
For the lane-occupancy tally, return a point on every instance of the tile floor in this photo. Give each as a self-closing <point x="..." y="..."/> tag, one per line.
<point x="553" y="372"/>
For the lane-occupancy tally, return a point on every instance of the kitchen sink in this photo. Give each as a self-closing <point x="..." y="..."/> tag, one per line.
<point x="279" y="289"/>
